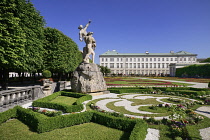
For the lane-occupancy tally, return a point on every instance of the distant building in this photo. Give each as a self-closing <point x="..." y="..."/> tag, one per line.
<point x="144" y="63"/>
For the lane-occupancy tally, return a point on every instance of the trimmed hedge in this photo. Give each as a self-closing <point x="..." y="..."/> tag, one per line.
<point x="6" y="115"/>
<point x="139" y="131"/>
<point x="45" y="102"/>
<point x="41" y="123"/>
<point x="194" y="70"/>
<point x="129" y="90"/>
<point x="180" y="90"/>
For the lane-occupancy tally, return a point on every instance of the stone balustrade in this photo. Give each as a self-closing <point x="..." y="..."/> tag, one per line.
<point x="11" y="98"/>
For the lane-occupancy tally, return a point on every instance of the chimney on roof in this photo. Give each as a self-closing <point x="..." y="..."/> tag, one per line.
<point x="171" y="51"/>
<point x="147" y="52"/>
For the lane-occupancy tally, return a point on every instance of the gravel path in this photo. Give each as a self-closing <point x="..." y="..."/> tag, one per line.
<point x="205" y="133"/>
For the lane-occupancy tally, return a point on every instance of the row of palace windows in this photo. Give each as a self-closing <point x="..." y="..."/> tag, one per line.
<point x="138" y="65"/>
<point x="141" y="72"/>
<point x="148" y="59"/>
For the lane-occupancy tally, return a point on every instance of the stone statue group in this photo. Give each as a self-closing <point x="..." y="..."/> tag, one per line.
<point x="90" y="42"/>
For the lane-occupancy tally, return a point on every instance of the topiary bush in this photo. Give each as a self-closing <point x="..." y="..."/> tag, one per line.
<point x="46" y="74"/>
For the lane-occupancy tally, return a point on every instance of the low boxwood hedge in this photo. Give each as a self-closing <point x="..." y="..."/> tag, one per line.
<point x="45" y="102"/>
<point x="41" y="123"/>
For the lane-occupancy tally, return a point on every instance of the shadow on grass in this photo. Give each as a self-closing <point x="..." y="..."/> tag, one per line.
<point x="125" y="136"/>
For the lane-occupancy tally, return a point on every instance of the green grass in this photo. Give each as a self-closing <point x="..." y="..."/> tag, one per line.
<point x="65" y="100"/>
<point x="121" y="109"/>
<point x="16" y="130"/>
<point x="163" y="110"/>
<point x="132" y="81"/>
<point x="144" y="102"/>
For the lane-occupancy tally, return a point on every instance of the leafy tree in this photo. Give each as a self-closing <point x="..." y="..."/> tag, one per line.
<point x="21" y="33"/>
<point x="206" y="60"/>
<point x="46" y="73"/>
<point x="105" y="70"/>
<point x="61" y="53"/>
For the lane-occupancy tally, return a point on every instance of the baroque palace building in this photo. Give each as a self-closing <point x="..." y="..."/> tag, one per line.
<point x="144" y="63"/>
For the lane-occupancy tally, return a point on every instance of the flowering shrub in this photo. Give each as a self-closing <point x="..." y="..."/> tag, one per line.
<point x="46" y="112"/>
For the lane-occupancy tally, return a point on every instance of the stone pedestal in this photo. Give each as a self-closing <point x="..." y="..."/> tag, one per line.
<point x="87" y="78"/>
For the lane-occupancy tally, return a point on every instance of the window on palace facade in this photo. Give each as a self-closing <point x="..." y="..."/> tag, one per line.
<point x="102" y="64"/>
<point x="106" y="64"/>
<point x="175" y="59"/>
<point x="184" y="59"/>
<point x="150" y="59"/>
<point x="146" y="65"/>
<point x="162" y="59"/>
<point x="163" y="65"/>
<point x="111" y="59"/>
<point x="171" y="59"/>
<point x="138" y="65"/>
<point x="102" y="59"/>
<point x="167" y="59"/>
<point x="154" y="65"/>
<point x="150" y="65"/>
<point x="154" y="59"/>
<point x="158" y="65"/>
<point x="118" y="59"/>
<point x="189" y="59"/>
<point x="142" y="65"/>
<point x="130" y="59"/>
<point x="146" y="59"/>
<point x="111" y="65"/>
<point x="130" y="65"/>
<point x="142" y="59"/>
<point x="118" y="65"/>
<point x="134" y="65"/>
<point x="138" y="59"/>
<point x="106" y="59"/>
<point x="167" y="65"/>
<point x="134" y="59"/>
<point x="158" y="59"/>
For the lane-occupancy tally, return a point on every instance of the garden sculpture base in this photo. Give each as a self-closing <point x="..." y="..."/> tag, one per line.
<point x="87" y="78"/>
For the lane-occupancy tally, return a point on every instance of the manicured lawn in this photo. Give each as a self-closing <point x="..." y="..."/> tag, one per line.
<point x="121" y="109"/>
<point x="65" y="100"/>
<point x="16" y="130"/>
<point x="134" y="81"/>
<point x="144" y="102"/>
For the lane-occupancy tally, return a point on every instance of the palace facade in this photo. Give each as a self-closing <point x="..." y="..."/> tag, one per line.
<point x="144" y="63"/>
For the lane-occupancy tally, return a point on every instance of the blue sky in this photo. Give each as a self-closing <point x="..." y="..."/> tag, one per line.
<point x="134" y="26"/>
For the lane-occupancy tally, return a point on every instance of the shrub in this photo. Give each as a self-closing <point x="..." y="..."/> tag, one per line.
<point x="46" y="73"/>
<point x="45" y="102"/>
<point x="6" y="115"/>
<point x="139" y="131"/>
<point x="125" y="124"/>
<point x="209" y="85"/>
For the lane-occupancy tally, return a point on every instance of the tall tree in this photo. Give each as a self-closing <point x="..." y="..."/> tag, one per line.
<point x="61" y="52"/>
<point x="207" y="60"/>
<point x="21" y="33"/>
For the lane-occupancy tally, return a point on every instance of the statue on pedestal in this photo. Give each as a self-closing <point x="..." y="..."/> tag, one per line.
<point x="90" y="43"/>
<point x="87" y="78"/>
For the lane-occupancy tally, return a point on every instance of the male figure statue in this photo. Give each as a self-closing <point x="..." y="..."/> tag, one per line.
<point x="83" y="32"/>
<point x="89" y="48"/>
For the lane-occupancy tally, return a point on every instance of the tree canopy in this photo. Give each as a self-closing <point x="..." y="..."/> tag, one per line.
<point x="61" y="53"/>
<point x="206" y="60"/>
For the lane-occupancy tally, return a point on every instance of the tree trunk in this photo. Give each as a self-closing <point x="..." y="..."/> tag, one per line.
<point x="5" y="79"/>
